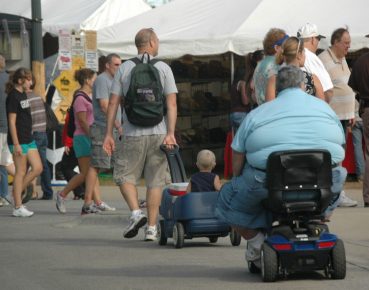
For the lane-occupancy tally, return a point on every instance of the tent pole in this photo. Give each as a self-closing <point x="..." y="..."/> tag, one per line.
<point x="232" y="67"/>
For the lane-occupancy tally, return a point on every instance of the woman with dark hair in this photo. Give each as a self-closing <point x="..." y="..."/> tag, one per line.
<point x="83" y="119"/>
<point x="242" y="90"/>
<point x="252" y="60"/>
<point x="20" y="139"/>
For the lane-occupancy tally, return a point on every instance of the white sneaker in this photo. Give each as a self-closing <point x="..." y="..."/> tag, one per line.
<point x="1" y="202"/>
<point x="103" y="206"/>
<point x="4" y="201"/>
<point x="345" y="201"/>
<point x="60" y="203"/>
<point x="135" y="222"/>
<point x="151" y="233"/>
<point x="22" y="211"/>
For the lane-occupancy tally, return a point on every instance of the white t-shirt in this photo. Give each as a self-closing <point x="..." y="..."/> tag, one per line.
<point x="314" y="65"/>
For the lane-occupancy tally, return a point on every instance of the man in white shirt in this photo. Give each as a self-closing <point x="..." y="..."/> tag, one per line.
<point x="311" y="37"/>
<point x="343" y="98"/>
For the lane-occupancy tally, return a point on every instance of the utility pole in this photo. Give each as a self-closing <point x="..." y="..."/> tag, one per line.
<point x="38" y="65"/>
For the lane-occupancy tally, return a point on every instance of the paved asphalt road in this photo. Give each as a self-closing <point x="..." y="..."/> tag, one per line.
<point x="53" y="251"/>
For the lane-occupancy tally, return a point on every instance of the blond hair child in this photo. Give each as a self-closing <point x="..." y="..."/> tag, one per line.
<point x="204" y="180"/>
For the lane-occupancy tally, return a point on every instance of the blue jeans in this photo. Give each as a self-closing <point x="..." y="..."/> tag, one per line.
<point x="3" y="182"/>
<point x="41" y="142"/>
<point x="236" y="119"/>
<point x="357" y="140"/>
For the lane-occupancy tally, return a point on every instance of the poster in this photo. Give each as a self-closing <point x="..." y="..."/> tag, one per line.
<point x="78" y="45"/>
<point x="65" y="50"/>
<point x="65" y="41"/>
<point x="92" y="60"/>
<point x="91" y="40"/>
<point x="65" y="60"/>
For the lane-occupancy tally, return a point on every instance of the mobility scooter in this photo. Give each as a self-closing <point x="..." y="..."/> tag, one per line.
<point x="189" y="215"/>
<point x="299" y="191"/>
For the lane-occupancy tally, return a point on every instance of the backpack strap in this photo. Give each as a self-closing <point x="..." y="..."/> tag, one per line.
<point x="137" y="61"/>
<point x="83" y="94"/>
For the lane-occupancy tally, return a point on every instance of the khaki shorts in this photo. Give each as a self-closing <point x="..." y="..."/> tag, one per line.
<point x="6" y="157"/>
<point x="137" y="155"/>
<point x="99" y="158"/>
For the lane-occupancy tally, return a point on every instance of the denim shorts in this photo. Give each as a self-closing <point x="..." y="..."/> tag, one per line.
<point x="236" y="119"/>
<point x="239" y="201"/>
<point x="25" y="147"/>
<point x="82" y="146"/>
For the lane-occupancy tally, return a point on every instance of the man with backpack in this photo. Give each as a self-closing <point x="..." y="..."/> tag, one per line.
<point x="148" y="90"/>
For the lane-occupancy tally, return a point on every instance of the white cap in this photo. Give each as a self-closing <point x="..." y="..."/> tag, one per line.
<point x="309" y="30"/>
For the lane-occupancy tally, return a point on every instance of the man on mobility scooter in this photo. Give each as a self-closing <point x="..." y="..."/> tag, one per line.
<point x="293" y="121"/>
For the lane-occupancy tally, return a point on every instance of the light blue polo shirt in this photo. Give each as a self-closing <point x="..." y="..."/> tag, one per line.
<point x="293" y="121"/>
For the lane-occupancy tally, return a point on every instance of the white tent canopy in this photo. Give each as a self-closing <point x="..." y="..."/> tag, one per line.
<point x="208" y="27"/>
<point x="76" y="14"/>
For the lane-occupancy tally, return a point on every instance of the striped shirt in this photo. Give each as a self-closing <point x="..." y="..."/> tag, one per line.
<point x="343" y="100"/>
<point x="37" y="112"/>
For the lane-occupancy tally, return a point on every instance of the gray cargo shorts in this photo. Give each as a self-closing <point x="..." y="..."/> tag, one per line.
<point x="99" y="158"/>
<point x="137" y="155"/>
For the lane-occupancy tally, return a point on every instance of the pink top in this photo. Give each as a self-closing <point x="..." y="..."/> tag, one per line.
<point x="82" y="105"/>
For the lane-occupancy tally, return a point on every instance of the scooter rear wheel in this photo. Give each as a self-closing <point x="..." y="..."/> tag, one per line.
<point x="269" y="263"/>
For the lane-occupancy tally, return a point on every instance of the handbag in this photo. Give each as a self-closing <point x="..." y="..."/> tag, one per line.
<point x="52" y="123"/>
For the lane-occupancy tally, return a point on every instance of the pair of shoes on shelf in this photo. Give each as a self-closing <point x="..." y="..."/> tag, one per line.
<point x="345" y="201"/>
<point x="22" y="211"/>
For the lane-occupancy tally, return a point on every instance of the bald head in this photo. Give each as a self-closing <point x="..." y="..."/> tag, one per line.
<point x="147" y="41"/>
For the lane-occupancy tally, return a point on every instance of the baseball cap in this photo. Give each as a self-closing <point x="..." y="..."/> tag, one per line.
<point x="309" y="30"/>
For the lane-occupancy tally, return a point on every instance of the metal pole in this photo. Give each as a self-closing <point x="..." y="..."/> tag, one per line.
<point x="37" y="48"/>
<point x="232" y="67"/>
<point x="38" y="65"/>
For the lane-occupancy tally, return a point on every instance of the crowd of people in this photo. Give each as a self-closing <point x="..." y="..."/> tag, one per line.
<point x="286" y="98"/>
<point x="304" y="101"/>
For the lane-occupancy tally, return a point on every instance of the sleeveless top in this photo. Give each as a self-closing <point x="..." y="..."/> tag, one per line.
<point x="202" y="182"/>
<point x="309" y="83"/>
